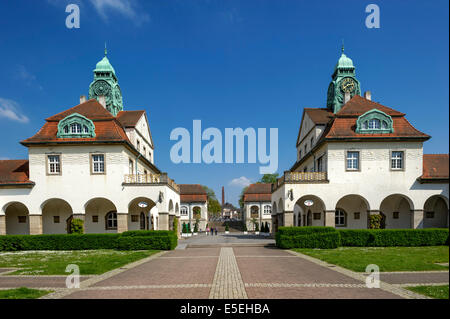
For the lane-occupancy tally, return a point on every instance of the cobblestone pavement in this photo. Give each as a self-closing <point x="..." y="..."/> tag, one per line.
<point x="230" y="239"/>
<point x="233" y="272"/>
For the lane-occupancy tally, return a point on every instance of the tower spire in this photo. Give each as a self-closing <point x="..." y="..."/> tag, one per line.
<point x="342" y="46"/>
<point x="106" y="51"/>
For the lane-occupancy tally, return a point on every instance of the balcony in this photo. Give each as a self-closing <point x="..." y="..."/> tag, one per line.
<point x="300" y="178"/>
<point x="150" y="179"/>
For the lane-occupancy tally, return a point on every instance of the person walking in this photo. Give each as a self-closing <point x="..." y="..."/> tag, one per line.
<point x="212" y="231"/>
<point x="215" y="229"/>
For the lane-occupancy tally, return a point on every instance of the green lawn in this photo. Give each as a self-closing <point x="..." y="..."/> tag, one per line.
<point x="437" y="292"/>
<point x="91" y="262"/>
<point x="23" y="293"/>
<point x="387" y="258"/>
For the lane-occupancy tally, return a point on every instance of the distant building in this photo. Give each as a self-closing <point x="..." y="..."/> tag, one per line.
<point x="257" y="205"/>
<point x="193" y="205"/>
<point x="229" y="211"/>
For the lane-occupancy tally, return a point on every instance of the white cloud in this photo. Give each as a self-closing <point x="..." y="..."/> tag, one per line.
<point x="241" y="182"/>
<point x="22" y="74"/>
<point x="10" y="109"/>
<point x="2" y="158"/>
<point x="127" y="8"/>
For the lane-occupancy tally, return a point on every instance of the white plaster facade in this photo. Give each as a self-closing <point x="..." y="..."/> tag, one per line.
<point x="187" y="214"/>
<point x="260" y="211"/>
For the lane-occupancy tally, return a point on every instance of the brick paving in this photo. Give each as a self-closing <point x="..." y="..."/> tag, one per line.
<point x="234" y="272"/>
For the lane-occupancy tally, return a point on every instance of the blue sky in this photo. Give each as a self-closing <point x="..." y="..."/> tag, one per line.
<point x="252" y="63"/>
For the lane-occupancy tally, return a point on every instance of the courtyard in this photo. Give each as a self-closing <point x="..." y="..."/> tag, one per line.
<point x="226" y="266"/>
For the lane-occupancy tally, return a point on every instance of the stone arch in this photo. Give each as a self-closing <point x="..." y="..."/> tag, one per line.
<point x="177" y="208"/>
<point x="316" y="211"/>
<point x="139" y="216"/>
<point x="396" y="210"/>
<point x="435" y="212"/>
<point x="356" y="209"/>
<point x="56" y="216"/>
<point x="254" y="211"/>
<point x="96" y="210"/>
<point x="170" y="206"/>
<point x="196" y="212"/>
<point x="17" y="218"/>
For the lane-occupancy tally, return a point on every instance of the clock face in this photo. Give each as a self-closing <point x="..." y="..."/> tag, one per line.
<point x="101" y="88"/>
<point x="348" y="85"/>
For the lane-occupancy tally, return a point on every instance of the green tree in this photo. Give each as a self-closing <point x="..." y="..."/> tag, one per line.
<point x="209" y="192"/>
<point x="77" y="226"/>
<point x="241" y="198"/>
<point x="269" y="178"/>
<point x="214" y="207"/>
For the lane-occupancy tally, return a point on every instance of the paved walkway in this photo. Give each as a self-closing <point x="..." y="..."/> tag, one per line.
<point x="239" y="272"/>
<point x="230" y="239"/>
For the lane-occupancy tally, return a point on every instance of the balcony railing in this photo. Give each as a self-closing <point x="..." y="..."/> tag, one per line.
<point x="151" y="179"/>
<point x="300" y="177"/>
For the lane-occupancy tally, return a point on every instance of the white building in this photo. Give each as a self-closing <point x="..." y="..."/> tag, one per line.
<point x="257" y="205"/>
<point x="95" y="162"/>
<point x="193" y="205"/>
<point x="357" y="157"/>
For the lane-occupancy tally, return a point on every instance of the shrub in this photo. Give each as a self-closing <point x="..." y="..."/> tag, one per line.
<point x="267" y="227"/>
<point x="256" y="226"/>
<point x="323" y="240"/>
<point x="196" y="226"/>
<point x="77" y="226"/>
<point x="283" y="230"/>
<point x="175" y="225"/>
<point x="227" y="228"/>
<point x="147" y="242"/>
<point x="375" y="221"/>
<point x="394" y="237"/>
<point x="245" y="227"/>
<point x="141" y="233"/>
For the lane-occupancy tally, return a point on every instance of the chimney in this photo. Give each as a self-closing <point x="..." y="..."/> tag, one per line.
<point x="368" y="95"/>
<point x="346" y="97"/>
<point x="82" y="99"/>
<point x="102" y="100"/>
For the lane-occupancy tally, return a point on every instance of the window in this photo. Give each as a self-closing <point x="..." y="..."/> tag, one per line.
<point x="184" y="211"/>
<point x="54" y="165"/>
<point x="138" y="146"/>
<point x="150" y="156"/>
<point x="95" y="219"/>
<point x="111" y="220"/>
<point x="340" y="218"/>
<point x="254" y="212"/>
<point x="316" y="216"/>
<point x="357" y="215"/>
<point x="374" y="124"/>
<point x="56" y="219"/>
<point x="397" y="160"/>
<point x="320" y="164"/>
<point x="312" y="141"/>
<point x="134" y="218"/>
<point x="22" y="219"/>
<point x="130" y="166"/>
<point x="144" y="150"/>
<point x="352" y="161"/>
<point x="75" y="126"/>
<point x="98" y="163"/>
<point x="429" y="214"/>
<point x="306" y="148"/>
<point x="395" y="215"/>
<point x="267" y="210"/>
<point x="305" y="170"/>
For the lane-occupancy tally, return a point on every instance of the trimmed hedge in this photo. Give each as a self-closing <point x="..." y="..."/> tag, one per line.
<point x="325" y="240"/>
<point x="394" y="237"/>
<point x="147" y="242"/>
<point x="329" y="237"/>
<point x="150" y="240"/>
<point x="307" y="237"/>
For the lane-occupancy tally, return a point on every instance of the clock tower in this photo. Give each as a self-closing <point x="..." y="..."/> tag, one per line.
<point x="106" y="84"/>
<point x="343" y="81"/>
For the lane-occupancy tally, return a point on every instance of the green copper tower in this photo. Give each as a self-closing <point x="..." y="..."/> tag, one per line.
<point x="343" y="81"/>
<point x="105" y="83"/>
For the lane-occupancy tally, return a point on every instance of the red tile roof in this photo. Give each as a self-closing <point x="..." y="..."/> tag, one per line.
<point x="14" y="172"/>
<point x="192" y="193"/>
<point x="359" y="105"/>
<point x="435" y="166"/>
<point x="129" y="118"/>
<point x="107" y="127"/>
<point x="258" y="192"/>
<point x="319" y="116"/>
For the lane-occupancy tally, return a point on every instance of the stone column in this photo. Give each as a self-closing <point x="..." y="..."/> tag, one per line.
<point x="329" y="218"/>
<point x="2" y="225"/>
<point x="35" y="224"/>
<point x="171" y="217"/>
<point x="274" y="227"/>
<point x="163" y="221"/>
<point x="417" y="218"/>
<point x="288" y="218"/>
<point x="122" y="222"/>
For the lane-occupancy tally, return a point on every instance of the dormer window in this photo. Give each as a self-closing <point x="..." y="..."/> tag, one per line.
<point x="374" y="122"/>
<point x="75" y="126"/>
